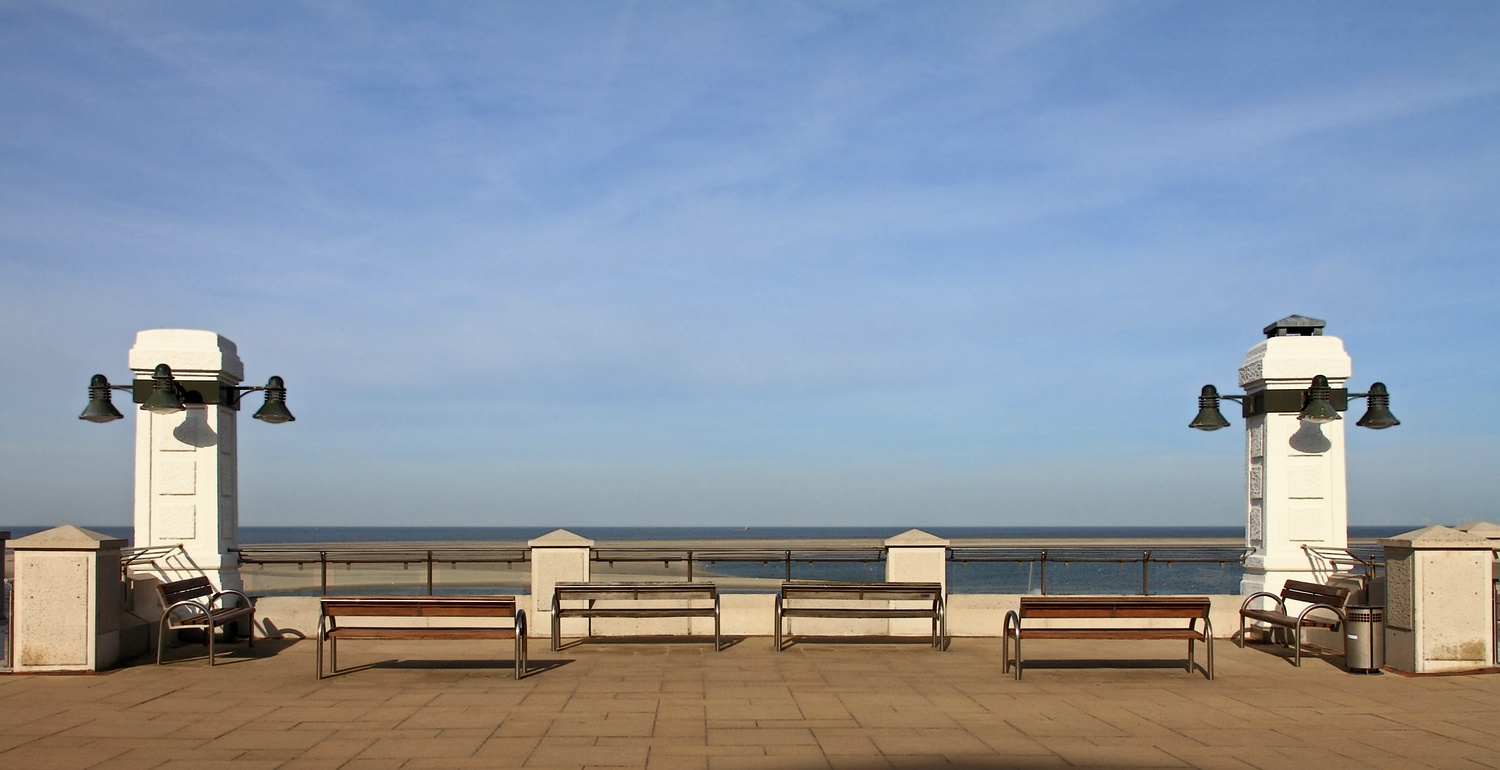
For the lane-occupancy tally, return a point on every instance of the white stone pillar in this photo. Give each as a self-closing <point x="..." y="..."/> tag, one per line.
<point x="1295" y="486"/>
<point x="186" y="463"/>
<point x="1439" y="601"/>
<point x="68" y="600"/>
<point x="557" y="557"/>
<point x="915" y="556"/>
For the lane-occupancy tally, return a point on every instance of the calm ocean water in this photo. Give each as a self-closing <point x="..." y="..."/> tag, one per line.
<point x="974" y="577"/>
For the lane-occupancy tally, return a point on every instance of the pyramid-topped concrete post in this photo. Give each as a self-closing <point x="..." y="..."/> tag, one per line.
<point x="915" y="556"/>
<point x="1439" y="600"/>
<point x="68" y="598"/>
<point x="557" y="557"/>
<point x="1295" y="493"/>
<point x="186" y="465"/>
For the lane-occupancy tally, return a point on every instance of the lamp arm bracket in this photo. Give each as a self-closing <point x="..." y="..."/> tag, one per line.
<point x="1236" y="399"/>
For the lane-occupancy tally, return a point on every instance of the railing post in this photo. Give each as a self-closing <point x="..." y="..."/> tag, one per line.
<point x="690" y="566"/>
<point x="323" y="573"/>
<point x="1146" y="573"/>
<point x="1044" y="572"/>
<point x="789" y="566"/>
<point x="429" y="573"/>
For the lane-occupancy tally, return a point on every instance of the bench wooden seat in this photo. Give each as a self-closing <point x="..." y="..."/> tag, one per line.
<point x="589" y="593"/>
<point x="364" y="609"/>
<point x="875" y="599"/>
<point x="194" y="603"/>
<point x="1078" y="610"/>
<point x="1317" y="597"/>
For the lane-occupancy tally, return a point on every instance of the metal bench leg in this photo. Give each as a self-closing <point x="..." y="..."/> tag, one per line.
<point x="717" y="646"/>
<point x="161" y="637"/>
<point x="209" y="632"/>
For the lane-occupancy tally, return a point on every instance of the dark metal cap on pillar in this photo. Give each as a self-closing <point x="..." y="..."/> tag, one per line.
<point x="1296" y="326"/>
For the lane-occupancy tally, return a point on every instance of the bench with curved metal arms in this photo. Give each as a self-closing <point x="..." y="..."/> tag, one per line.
<point x="1318" y="597"/>
<point x="193" y="603"/>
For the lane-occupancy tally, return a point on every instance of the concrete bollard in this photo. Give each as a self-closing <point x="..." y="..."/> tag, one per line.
<point x="556" y="557"/>
<point x="68" y="600"/>
<point x="915" y="556"/>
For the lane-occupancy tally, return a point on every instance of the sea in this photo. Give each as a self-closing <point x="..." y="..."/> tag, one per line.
<point x="1025" y="577"/>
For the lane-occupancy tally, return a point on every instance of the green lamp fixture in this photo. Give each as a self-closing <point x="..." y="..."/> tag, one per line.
<point x="1315" y="407"/>
<point x="100" y="408"/>
<point x="1209" y="417"/>
<point x="1378" y="416"/>
<point x="274" y="410"/>
<point x="164" y="398"/>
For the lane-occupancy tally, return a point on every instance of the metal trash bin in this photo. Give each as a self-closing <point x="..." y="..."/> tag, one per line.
<point x="1364" y="639"/>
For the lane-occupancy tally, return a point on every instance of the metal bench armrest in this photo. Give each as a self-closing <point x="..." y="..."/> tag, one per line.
<point x="214" y="600"/>
<point x="201" y="607"/>
<point x="1280" y="602"/>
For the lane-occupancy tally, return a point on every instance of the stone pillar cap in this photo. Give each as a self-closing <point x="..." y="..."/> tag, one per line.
<point x="190" y="352"/>
<point x="67" y="538"/>
<point x="561" y="538"/>
<point x="1482" y="528"/>
<point x="1437" y="538"/>
<point x="916" y="537"/>
<point x="1296" y="326"/>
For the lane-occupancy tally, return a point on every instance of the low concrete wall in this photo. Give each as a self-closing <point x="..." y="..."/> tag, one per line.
<point x="971" y="615"/>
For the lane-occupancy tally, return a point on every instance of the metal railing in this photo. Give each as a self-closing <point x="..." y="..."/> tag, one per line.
<point x="786" y="557"/>
<point x="429" y="559"/>
<point x="1066" y="556"/>
<point x="689" y="564"/>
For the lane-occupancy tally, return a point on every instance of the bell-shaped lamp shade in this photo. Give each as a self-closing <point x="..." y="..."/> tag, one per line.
<point x="1317" y="408"/>
<point x="163" y="398"/>
<point x="1209" y="417"/>
<point x="1379" y="415"/>
<point x="274" y="410"/>
<point x="100" y="408"/>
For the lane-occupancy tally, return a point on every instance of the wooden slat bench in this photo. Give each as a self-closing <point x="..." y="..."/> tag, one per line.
<point x="589" y="593"/>
<point x="1317" y="597"/>
<point x="195" y="604"/>
<point x="364" y="609"/>
<point x="1080" y="609"/>
<point x="862" y="600"/>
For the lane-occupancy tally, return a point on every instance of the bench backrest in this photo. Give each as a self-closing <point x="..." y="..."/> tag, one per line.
<point x="636" y="591"/>
<point x="420" y="606"/>
<point x="184" y="590"/>
<point x="1314" y="593"/>
<point x="895" y="591"/>
<point x="1097" y="607"/>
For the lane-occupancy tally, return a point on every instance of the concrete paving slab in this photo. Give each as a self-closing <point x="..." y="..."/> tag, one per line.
<point x="668" y="705"/>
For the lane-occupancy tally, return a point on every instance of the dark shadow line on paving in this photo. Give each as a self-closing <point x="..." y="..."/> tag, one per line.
<point x="533" y="667"/>
<point x="725" y="642"/>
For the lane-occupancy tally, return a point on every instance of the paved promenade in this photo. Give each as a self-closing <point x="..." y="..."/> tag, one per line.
<point x="675" y="705"/>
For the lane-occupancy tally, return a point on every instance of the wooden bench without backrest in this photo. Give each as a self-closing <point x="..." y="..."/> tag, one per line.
<point x="1318" y="597"/>
<point x="589" y="593"/>
<point x="194" y="603"/>
<point x="363" y="609"/>
<point x="862" y="600"/>
<point x="1086" y="608"/>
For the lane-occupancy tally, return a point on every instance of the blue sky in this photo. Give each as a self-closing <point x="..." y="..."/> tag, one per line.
<point x="750" y="264"/>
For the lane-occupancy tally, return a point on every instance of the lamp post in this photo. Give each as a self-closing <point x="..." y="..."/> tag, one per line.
<point x="1295" y="488"/>
<point x="186" y="460"/>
